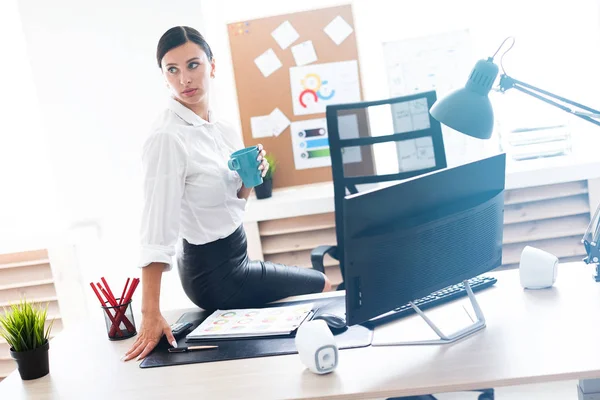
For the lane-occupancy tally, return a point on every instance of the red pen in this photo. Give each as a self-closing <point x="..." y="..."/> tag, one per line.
<point x="123" y="294"/>
<point x="131" y="290"/>
<point x="110" y="316"/>
<point x="108" y="289"/>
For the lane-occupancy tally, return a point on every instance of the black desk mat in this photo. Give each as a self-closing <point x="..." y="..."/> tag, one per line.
<point x="233" y="349"/>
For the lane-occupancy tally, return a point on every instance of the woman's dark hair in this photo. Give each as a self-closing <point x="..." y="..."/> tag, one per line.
<point x="177" y="36"/>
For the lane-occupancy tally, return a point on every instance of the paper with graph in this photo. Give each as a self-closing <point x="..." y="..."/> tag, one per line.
<point x="252" y="322"/>
<point x="315" y="86"/>
<point x="310" y="142"/>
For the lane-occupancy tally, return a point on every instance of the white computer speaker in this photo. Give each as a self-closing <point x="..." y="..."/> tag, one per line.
<point x="537" y="268"/>
<point x="316" y="346"/>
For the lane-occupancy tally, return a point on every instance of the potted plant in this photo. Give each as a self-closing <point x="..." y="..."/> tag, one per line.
<point x="265" y="189"/>
<point x="22" y="326"/>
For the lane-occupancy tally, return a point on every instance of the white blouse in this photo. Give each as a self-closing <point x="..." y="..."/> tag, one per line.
<point x="188" y="190"/>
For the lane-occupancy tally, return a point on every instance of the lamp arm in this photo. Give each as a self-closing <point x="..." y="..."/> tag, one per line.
<point x="591" y="237"/>
<point x="506" y="82"/>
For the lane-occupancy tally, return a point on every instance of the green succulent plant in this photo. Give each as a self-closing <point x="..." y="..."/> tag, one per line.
<point x="22" y="326"/>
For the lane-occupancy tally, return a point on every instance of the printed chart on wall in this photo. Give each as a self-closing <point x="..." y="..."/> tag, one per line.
<point x="316" y="86"/>
<point x="311" y="143"/>
<point x="288" y="68"/>
<point x="438" y="62"/>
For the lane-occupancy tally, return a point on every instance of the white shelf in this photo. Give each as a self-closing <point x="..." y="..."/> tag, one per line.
<point x="545" y="229"/>
<point x="547" y="209"/>
<point x="548" y="192"/>
<point x="25" y="263"/>
<point x="297" y="241"/>
<point x="36" y="301"/>
<point x="295" y="225"/>
<point x="27" y="284"/>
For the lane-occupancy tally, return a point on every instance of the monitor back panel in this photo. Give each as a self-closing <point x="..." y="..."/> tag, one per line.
<point x="405" y="241"/>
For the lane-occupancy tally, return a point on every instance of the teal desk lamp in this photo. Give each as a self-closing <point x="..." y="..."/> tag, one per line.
<point x="468" y="110"/>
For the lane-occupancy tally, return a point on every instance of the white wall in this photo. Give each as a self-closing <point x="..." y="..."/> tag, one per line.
<point x="100" y="89"/>
<point x="28" y="215"/>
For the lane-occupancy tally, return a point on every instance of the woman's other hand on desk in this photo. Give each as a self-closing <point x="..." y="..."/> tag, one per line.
<point x="152" y="328"/>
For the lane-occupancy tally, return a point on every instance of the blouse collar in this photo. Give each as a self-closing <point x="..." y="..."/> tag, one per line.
<point x="188" y="115"/>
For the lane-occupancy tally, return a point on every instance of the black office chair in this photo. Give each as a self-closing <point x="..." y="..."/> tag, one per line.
<point x="350" y="135"/>
<point x="343" y="136"/>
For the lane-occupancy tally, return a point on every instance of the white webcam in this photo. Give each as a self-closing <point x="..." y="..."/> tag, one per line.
<point x="537" y="268"/>
<point x="316" y="346"/>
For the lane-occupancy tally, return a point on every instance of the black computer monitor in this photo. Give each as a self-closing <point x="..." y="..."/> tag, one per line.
<point x="405" y="241"/>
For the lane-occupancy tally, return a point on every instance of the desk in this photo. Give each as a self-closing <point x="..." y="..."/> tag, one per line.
<point x="531" y="336"/>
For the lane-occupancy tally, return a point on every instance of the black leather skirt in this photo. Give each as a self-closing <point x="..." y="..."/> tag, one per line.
<point x="219" y="275"/>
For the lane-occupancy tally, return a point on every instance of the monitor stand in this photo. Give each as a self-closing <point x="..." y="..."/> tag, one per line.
<point x="443" y="338"/>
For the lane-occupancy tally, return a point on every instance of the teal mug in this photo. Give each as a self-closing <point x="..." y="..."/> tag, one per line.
<point x="245" y="162"/>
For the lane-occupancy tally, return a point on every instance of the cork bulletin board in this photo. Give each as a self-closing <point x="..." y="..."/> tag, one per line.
<point x="287" y="68"/>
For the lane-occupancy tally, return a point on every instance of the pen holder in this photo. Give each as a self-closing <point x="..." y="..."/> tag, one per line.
<point x="119" y="321"/>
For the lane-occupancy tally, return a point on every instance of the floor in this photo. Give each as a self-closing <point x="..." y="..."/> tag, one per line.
<point x="564" y="390"/>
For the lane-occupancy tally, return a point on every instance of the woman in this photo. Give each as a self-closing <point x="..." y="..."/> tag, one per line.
<point x="190" y="192"/>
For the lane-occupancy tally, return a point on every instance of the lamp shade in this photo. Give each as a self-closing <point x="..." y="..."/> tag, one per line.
<point x="469" y="110"/>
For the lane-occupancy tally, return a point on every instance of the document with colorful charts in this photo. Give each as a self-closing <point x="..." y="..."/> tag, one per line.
<point x="252" y="322"/>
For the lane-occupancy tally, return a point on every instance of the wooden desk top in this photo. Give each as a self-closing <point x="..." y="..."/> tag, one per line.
<point x="531" y="336"/>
